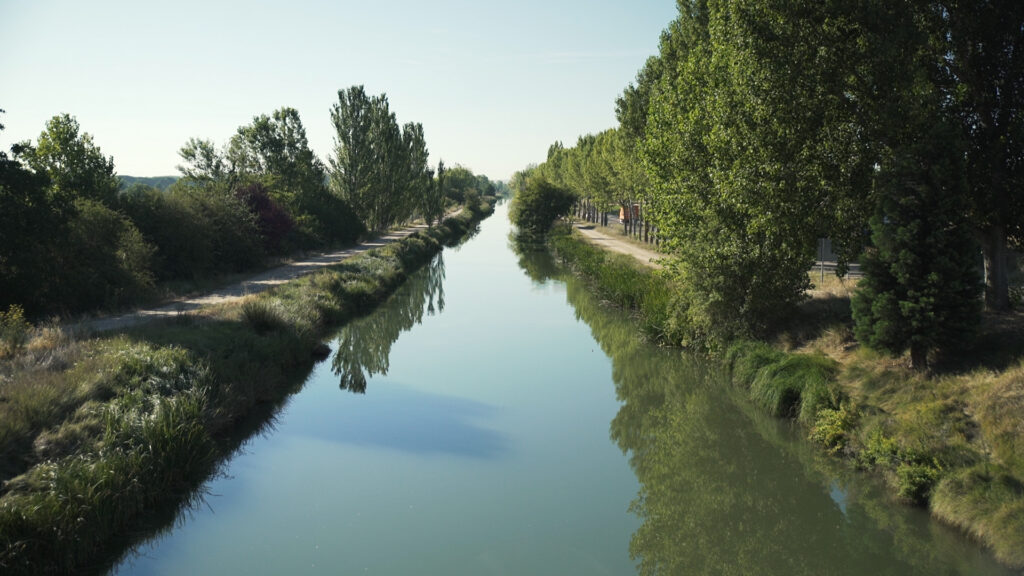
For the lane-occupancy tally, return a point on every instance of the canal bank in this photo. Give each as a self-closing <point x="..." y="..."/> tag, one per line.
<point x="505" y="421"/>
<point x="119" y="428"/>
<point x="948" y="443"/>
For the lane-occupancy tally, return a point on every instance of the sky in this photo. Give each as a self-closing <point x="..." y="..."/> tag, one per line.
<point x="493" y="83"/>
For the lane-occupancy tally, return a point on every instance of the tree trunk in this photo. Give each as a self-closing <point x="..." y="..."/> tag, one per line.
<point x="997" y="282"/>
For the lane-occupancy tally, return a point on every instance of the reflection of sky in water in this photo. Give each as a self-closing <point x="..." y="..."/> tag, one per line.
<point x="401" y="418"/>
<point x="839" y="496"/>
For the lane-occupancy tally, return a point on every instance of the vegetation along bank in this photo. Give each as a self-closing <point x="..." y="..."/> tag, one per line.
<point x="951" y="441"/>
<point x="99" y="434"/>
<point x="760" y="129"/>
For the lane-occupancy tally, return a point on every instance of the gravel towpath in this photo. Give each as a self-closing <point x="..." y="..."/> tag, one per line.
<point x="620" y="245"/>
<point x="252" y="285"/>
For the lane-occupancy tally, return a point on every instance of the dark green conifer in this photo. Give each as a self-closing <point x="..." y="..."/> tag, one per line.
<point x="921" y="289"/>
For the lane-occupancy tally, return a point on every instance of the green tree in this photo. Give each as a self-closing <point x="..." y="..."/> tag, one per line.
<point x="981" y="58"/>
<point x="31" y="226"/>
<point x="432" y="205"/>
<point x="74" y="164"/>
<point x="535" y="208"/>
<point x="419" y="177"/>
<point x="921" y="289"/>
<point x="106" y="261"/>
<point x="203" y="162"/>
<point x="352" y="162"/>
<point x="274" y="150"/>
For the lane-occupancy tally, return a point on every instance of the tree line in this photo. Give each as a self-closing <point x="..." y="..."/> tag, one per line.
<point x="895" y="129"/>
<point x="74" y="237"/>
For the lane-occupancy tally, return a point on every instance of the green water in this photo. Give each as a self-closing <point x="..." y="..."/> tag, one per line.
<point x="493" y="418"/>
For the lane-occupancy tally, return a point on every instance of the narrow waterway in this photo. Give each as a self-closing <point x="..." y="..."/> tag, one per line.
<point x="493" y="418"/>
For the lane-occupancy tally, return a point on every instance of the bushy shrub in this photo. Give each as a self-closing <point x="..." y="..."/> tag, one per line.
<point x="832" y="427"/>
<point x="230" y="229"/>
<point x="272" y="221"/>
<point x="106" y="261"/>
<point x="14" y="330"/>
<point x="915" y="480"/>
<point x="538" y="205"/>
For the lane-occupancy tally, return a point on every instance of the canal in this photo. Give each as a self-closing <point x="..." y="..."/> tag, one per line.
<point x="494" y="418"/>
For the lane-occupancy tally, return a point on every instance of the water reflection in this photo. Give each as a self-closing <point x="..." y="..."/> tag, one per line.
<point x="534" y="257"/>
<point x="405" y="419"/>
<point x="728" y="490"/>
<point x="364" y="345"/>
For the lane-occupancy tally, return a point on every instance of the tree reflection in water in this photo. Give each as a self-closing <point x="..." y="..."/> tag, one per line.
<point x="364" y="345"/>
<point x="725" y="489"/>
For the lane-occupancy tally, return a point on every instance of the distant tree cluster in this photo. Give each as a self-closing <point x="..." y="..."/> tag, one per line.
<point x="759" y="127"/>
<point x="75" y="237"/>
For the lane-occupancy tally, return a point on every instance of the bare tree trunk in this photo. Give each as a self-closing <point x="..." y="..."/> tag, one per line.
<point x="997" y="281"/>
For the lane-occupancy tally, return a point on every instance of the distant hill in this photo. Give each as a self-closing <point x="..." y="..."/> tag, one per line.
<point x="158" y="182"/>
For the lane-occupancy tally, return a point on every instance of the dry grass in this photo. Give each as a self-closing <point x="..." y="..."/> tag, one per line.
<point x="997" y="402"/>
<point x="832" y="286"/>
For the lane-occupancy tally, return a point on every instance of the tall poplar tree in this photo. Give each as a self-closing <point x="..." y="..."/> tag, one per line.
<point x="353" y="162"/>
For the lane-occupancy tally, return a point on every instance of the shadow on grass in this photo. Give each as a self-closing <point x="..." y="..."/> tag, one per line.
<point x="999" y="345"/>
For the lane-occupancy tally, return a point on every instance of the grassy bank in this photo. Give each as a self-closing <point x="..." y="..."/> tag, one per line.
<point x="951" y="441"/>
<point x="96" y="433"/>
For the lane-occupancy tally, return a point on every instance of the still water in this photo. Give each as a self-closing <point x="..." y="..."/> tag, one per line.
<point x="493" y="418"/>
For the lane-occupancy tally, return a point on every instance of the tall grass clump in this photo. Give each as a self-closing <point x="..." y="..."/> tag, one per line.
<point x="988" y="503"/>
<point x="264" y="315"/>
<point x="999" y="406"/>
<point x="785" y="385"/>
<point x="151" y="447"/>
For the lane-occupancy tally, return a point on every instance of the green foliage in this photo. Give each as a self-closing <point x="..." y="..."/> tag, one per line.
<point x="14" y="330"/>
<point x="921" y="288"/>
<point x="915" y="481"/>
<point x="535" y="208"/>
<point x="273" y="151"/>
<point x="745" y="358"/>
<point x="879" y="449"/>
<point x="226" y="236"/>
<point x="74" y="164"/>
<point x="32" y="225"/>
<point x="379" y="168"/>
<point x="106" y="261"/>
<point x="433" y="198"/>
<point x="833" y="427"/>
<point x="203" y="162"/>
<point x="800" y="386"/>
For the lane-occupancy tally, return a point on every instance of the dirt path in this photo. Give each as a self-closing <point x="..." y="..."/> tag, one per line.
<point x="252" y="285"/>
<point x="620" y="245"/>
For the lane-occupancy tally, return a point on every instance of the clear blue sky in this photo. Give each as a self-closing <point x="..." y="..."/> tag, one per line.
<point x="493" y="83"/>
